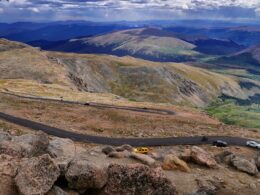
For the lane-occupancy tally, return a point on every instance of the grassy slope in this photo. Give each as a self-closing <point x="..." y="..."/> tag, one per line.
<point x="43" y="74"/>
<point x="230" y="112"/>
<point x="144" y="42"/>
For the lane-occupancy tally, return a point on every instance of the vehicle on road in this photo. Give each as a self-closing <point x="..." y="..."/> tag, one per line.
<point x="253" y="144"/>
<point x="220" y="143"/>
<point x="142" y="150"/>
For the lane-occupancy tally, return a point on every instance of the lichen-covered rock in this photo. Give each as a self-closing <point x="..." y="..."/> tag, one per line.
<point x="28" y="145"/>
<point x="244" y="165"/>
<point x="202" y="157"/>
<point x="172" y="162"/>
<point x="63" y="151"/>
<point x="83" y="174"/>
<point x="137" y="179"/>
<point x="37" y="175"/>
<point x="4" y="136"/>
<point x="8" y="165"/>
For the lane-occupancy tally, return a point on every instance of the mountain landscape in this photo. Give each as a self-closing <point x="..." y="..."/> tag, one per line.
<point x="129" y="97"/>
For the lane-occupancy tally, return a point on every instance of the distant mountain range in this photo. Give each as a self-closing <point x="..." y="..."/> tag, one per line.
<point x="27" y="32"/>
<point x="242" y="35"/>
<point x="153" y="44"/>
<point x="247" y="58"/>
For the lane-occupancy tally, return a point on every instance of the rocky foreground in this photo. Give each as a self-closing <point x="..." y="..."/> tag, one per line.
<point x="34" y="164"/>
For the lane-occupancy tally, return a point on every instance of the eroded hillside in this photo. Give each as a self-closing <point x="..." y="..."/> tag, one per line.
<point x="131" y="78"/>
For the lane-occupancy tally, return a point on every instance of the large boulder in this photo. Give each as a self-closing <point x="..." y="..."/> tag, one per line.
<point x="63" y="151"/>
<point x="37" y="175"/>
<point x="83" y="174"/>
<point x="28" y="145"/>
<point x="33" y="144"/>
<point x="143" y="158"/>
<point x="172" y="162"/>
<point x="244" y="165"/>
<point x="137" y="179"/>
<point x="201" y="157"/>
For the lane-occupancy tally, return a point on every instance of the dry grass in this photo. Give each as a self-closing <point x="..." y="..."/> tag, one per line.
<point x="110" y="122"/>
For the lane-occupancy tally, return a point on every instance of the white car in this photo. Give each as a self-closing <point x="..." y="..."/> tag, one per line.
<point x="253" y="144"/>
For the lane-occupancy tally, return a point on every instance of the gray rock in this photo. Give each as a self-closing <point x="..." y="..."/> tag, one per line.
<point x="63" y="151"/>
<point x="83" y="174"/>
<point x="4" y="136"/>
<point x="137" y="179"/>
<point x="123" y="154"/>
<point x="28" y="145"/>
<point x="108" y="149"/>
<point x="125" y="147"/>
<point x="244" y="165"/>
<point x="224" y="157"/>
<point x="143" y="158"/>
<point x="37" y="175"/>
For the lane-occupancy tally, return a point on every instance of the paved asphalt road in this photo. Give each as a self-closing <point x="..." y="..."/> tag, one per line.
<point x="196" y="140"/>
<point x="97" y="105"/>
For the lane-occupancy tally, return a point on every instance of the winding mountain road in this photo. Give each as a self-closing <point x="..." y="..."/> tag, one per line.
<point x="97" y="105"/>
<point x="196" y="140"/>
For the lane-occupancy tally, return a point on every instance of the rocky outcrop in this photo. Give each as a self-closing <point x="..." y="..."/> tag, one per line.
<point x="37" y="175"/>
<point x="28" y="145"/>
<point x="202" y="157"/>
<point x="172" y="162"/>
<point x="244" y="165"/>
<point x="83" y="174"/>
<point x="137" y="179"/>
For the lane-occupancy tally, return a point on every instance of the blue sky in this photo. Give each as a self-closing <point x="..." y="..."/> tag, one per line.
<point x="114" y="10"/>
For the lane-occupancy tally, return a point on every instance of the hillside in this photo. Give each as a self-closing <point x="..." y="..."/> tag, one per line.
<point x="245" y="59"/>
<point x="132" y="78"/>
<point x="146" y="43"/>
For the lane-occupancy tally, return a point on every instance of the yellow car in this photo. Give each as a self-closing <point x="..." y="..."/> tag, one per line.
<point x="142" y="150"/>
